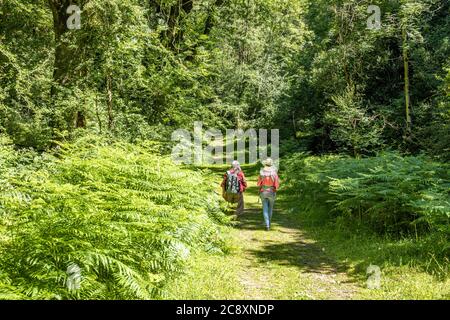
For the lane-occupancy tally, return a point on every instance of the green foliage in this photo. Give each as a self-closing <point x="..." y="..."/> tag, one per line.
<point x="125" y="215"/>
<point x="340" y="53"/>
<point x="138" y="69"/>
<point x="352" y="130"/>
<point x="389" y="192"/>
<point x="259" y="41"/>
<point x="435" y="137"/>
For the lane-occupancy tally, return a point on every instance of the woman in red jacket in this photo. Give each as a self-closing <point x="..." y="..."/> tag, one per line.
<point x="234" y="185"/>
<point x="268" y="183"/>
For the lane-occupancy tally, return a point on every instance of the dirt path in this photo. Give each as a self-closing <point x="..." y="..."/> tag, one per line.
<point x="284" y="263"/>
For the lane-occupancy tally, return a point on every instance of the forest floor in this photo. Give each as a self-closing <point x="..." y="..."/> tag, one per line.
<point x="295" y="261"/>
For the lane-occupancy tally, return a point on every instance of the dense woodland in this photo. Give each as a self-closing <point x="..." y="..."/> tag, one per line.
<point x="86" y="117"/>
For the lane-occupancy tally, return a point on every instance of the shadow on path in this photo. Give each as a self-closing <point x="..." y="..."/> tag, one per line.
<point x="286" y="244"/>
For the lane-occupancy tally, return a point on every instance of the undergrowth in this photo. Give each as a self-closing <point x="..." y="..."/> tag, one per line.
<point x="398" y="206"/>
<point x="123" y="216"/>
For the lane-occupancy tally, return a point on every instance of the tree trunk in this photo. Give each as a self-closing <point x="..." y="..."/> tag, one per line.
<point x="174" y="33"/>
<point x="65" y="53"/>
<point x="99" y="119"/>
<point x="109" y="101"/>
<point x="406" y="68"/>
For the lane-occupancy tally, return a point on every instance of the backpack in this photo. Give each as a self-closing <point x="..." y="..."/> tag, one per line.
<point x="232" y="185"/>
<point x="267" y="187"/>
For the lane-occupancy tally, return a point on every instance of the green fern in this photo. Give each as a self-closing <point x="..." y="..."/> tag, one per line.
<point x="389" y="192"/>
<point x="124" y="214"/>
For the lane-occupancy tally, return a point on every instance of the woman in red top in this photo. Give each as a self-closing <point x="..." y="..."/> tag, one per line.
<point x="268" y="183"/>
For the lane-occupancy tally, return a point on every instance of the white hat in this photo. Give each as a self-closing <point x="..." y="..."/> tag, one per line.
<point x="268" y="162"/>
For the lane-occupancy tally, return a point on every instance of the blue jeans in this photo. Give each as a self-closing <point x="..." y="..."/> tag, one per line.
<point x="267" y="204"/>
